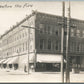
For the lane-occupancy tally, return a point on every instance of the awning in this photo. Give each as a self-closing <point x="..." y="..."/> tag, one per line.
<point x="6" y="61"/>
<point x="49" y="58"/>
<point x="14" y="60"/>
<point x="2" y="60"/>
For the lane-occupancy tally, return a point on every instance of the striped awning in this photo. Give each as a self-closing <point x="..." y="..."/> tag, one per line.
<point x="1" y="61"/>
<point x="7" y="60"/>
<point x="14" y="60"/>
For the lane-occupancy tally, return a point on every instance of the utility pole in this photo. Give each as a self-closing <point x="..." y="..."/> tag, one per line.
<point x="28" y="47"/>
<point x="62" y="41"/>
<point x="28" y="27"/>
<point x="35" y="60"/>
<point x="67" y="46"/>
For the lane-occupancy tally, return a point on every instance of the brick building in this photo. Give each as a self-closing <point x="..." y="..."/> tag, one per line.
<point x="44" y="44"/>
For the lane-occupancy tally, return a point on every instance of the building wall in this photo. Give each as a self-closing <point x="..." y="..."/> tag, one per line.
<point x="50" y="29"/>
<point x="45" y="38"/>
<point x="15" y="41"/>
<point x="49" y="32"/>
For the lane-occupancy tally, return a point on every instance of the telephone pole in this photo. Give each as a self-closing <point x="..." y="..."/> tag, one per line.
<point x="67" y="46"/>
<point x="62" y="41"/>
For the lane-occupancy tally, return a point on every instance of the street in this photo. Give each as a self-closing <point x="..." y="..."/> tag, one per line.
<point x="44" y="77"/>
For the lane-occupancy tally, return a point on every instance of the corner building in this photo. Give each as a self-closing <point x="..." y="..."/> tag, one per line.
<point x="44" y="43"/>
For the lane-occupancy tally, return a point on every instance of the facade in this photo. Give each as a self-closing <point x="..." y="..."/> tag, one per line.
<point x="44" y="43"/>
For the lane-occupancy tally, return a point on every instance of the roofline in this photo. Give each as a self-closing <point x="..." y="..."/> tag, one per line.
<point x="34" y="13"/>
<point x="60" y="16"/>
<point x="23" y="20"/>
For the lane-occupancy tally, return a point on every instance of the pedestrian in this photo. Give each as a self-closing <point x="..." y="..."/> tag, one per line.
<point x="25" y="68"/>
<point x="32" y="68"/>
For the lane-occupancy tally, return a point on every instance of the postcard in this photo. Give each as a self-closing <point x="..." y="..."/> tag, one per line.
<point x="41" y="41"/>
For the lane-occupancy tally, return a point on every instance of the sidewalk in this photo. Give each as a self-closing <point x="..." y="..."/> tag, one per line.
<point x="34" y="77"/>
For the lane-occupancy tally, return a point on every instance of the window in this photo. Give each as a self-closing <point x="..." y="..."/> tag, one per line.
<point x="65" y="33"/>
<point x="82" y="33"/>
<point x="25" y="33"/>
<point x="41" y="27"/>
<point x="19" y="49"/>
<point x="26" y="46"/>
<point x="20" y="36"/>
<point x="41" y="44"/>
<point x="78" y="32"/>
<point x="56" y="32"/>
<point x="23" y="46"/>
<point x="49" y="44"/>
<point x="72" y="32"/>
<point x="72" y="46"/>
<point x="78" y="47"/>
<point x="56" y="45"/>
<point x="45" y="28"/>
<point x="49" y="30"/>
<point x="64" y="48"/>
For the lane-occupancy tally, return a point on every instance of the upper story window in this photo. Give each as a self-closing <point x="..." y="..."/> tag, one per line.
<point x="78" y="32"/>
<point x="78" y="47"/>
<point x="72" y="32"/>
<point x="41" y="44"/>
<point x="49" y="29"/>
<point x="82" y="33"/>
<point x="56" y="45"/>
<point x="56" y="32"/>
<point x="41" y="27"/>
<point x="65" y="32"/>
<point x="49" y="44"/>
<point x="25" y="33"/>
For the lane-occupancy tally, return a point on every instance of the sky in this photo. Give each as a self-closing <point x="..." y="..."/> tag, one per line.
<point x="13" y="12"/>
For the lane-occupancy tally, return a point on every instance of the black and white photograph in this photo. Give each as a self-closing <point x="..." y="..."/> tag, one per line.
<point x="42" y="41"/>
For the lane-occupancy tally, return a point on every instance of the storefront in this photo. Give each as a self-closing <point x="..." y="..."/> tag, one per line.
<point x="1" y="62"/>
<point x="48" y="62"/>
<point x="5" y="63"/>
<point x="13" y="63"/>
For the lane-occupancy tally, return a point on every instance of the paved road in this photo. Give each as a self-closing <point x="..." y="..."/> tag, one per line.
<point x="19" y="76"/>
